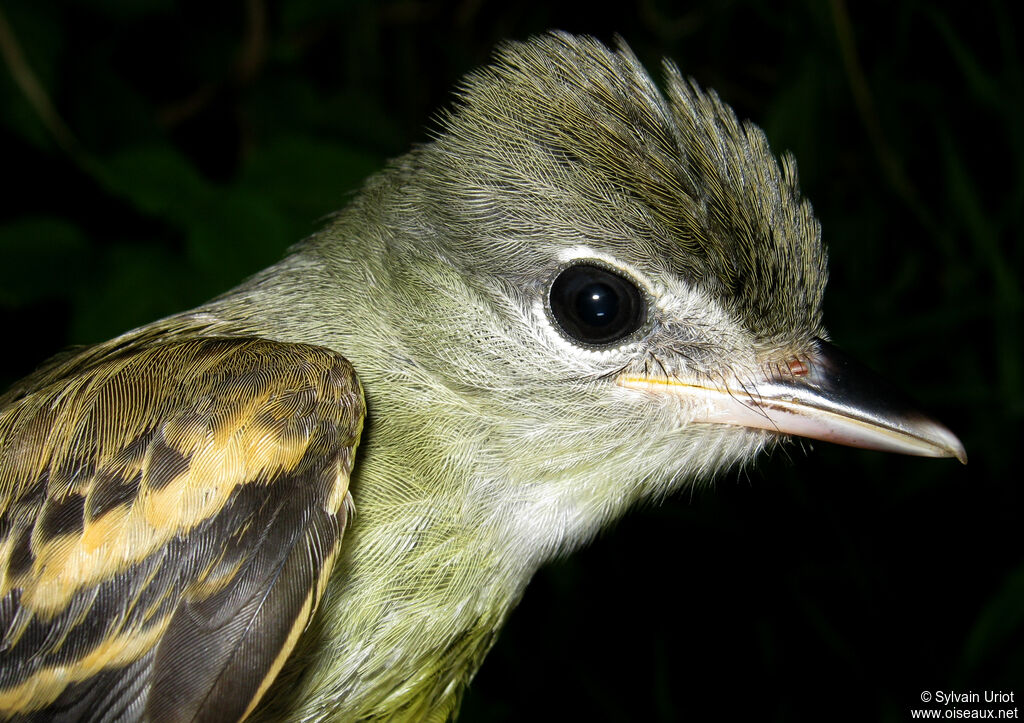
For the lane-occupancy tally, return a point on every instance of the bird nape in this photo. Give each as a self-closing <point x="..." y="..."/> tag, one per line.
<point x="584" y="292"/>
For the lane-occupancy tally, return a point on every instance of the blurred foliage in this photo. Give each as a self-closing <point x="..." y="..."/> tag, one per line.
<point x="155" y="153"/>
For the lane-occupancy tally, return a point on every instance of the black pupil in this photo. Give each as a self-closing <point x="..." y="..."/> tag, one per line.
<point x="595" y="305"/>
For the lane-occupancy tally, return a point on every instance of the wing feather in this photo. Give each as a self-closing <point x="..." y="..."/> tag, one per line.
<point x="169" y="514"/>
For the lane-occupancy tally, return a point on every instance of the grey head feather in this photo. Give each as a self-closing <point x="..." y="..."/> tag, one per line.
<point x="564" y="141"/>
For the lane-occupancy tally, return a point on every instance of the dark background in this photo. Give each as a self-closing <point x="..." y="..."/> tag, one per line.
<point x="155" y="153"/>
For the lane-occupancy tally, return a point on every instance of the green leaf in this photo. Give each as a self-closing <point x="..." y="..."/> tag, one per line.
<point x="307" y="178"/>
<point x="133" y="285"/>
<point x="160" y="181"/>
<point x="237" y="234"/>
<point x="42" y="259"/>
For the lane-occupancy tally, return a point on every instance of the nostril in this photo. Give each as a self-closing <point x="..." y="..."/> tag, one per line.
<point x="798" y="368"/>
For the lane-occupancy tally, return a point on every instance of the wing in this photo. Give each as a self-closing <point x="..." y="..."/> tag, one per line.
<point x="169" y="515"/>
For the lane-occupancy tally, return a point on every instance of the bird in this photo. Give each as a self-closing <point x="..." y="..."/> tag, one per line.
<point x="319" y="495"/>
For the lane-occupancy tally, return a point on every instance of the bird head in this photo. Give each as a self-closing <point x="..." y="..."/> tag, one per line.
<point x="601" y="290"/>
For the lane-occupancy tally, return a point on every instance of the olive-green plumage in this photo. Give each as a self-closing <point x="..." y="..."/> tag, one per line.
<point x="505" y="423"/>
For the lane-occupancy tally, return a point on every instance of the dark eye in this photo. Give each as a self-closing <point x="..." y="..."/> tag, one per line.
<point x="596" y="306"/>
